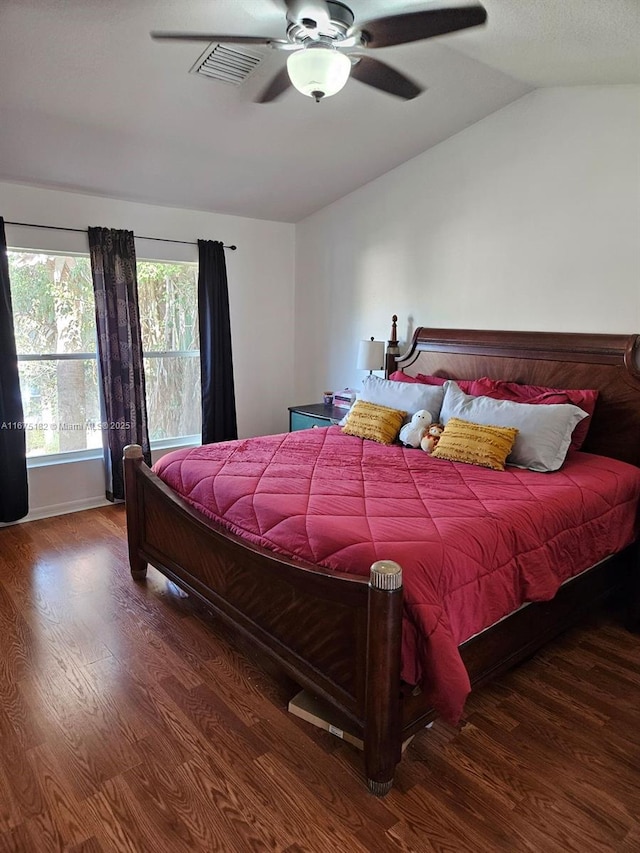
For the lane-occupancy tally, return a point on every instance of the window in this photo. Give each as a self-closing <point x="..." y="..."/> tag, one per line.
<point x="54" y="319"/>
<point x="55" y="328"/>
<point x="168" y="300"/>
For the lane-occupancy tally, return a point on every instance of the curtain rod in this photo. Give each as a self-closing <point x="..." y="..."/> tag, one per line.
<point x="84" y="231"/>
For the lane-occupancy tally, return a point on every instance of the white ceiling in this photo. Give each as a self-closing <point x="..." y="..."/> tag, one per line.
<point x="89" y="102"/>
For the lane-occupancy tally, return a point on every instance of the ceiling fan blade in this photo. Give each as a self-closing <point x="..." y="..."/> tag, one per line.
<point x="278" y="84"/>
<point x="415" y="26"/>
<point x="221" y="39"/>
<point x="382" y="76"/>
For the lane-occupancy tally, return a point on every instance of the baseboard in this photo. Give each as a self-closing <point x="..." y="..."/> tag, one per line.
<point x="61" y="509"/>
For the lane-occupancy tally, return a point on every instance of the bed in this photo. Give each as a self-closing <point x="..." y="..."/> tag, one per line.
<point x="342" y="635"/>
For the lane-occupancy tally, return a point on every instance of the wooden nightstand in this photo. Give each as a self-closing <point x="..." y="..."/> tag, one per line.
<point x="314" y="415"/>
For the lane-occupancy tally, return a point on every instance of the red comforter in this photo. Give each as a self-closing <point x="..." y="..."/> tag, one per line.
<point x="474" y="544"/>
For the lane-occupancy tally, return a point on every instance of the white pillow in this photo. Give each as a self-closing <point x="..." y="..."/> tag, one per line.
<point x="409" y="397"/>
<point x="544" y="432"/>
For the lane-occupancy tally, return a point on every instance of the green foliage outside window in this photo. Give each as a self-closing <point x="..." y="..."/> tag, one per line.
<point x="167" y="295"/>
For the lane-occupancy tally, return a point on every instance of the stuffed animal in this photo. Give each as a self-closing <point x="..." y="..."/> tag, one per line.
<point x="431" y="438"/>
<point x="411" y="434"/>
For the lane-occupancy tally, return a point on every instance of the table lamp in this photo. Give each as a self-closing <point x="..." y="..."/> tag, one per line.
<point x="370" y="355"/>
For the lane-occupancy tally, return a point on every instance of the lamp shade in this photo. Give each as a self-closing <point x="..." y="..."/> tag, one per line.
<point x="370" y="355"/>
<point x="318" y="71"/>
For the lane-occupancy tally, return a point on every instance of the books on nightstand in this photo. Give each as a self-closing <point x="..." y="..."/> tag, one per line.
<point x="344" y="399"/>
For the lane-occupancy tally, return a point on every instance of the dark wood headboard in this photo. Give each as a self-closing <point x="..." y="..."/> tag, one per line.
<point x="608" y="363"/>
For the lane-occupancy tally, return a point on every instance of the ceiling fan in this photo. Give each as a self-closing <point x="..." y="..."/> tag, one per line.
<point x="326" y="47"/>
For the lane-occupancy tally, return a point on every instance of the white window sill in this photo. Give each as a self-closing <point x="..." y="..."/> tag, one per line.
<point x="176" y="443"/>
<point x="165" y="445"/>
<point x="64" y="458"/>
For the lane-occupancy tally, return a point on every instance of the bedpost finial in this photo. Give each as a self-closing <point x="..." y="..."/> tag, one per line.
<point x="385" y="574"/>
<point x="132" y="451"/>
<point x="394" y="330"/>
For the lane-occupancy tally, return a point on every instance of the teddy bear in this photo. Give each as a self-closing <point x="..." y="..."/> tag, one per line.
<point x="431" y="438"/>
<point x="411" y="434"/>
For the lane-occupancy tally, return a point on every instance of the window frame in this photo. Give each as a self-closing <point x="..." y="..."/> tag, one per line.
<point x="39" y="460"/>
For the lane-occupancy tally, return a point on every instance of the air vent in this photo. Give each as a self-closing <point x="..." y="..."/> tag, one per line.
<point x="229" y="63"/>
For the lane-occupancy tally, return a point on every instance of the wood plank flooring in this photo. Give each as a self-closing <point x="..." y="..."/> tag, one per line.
<point x="131" y="721"/>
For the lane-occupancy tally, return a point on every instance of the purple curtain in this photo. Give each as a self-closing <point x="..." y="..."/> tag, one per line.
<point x="216" y="363"/>
<point x="115" y="285"/>
<point x="14" y="496"/>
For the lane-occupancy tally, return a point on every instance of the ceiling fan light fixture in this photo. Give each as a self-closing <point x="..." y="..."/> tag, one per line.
<point x="318" y="71"/>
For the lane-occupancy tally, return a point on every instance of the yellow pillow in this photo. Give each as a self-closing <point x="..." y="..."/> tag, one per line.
<point x="369" y="420"/>
<point x="464" y="441"/>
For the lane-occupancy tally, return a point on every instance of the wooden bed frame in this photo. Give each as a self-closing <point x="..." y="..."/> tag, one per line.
<point x="338" y="635"/>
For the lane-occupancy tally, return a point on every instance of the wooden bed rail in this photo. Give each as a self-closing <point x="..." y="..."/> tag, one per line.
<point x="337" y="635"/>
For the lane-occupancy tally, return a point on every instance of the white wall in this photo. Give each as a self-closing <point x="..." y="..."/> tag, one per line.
<point x="529" y="219"/>
<point x="261" y="284"/>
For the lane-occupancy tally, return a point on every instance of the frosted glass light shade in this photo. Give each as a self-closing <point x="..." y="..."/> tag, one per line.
<point x="370" y="355"/>
<point x="318" y="71"/>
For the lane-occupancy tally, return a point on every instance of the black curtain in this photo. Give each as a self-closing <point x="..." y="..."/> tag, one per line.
<point x="115" y="285"/>
<point x="14" y="494"/>
<point x="216" y="363"/>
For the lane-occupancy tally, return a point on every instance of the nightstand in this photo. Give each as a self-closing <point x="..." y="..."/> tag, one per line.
<point x="314" y="415"/>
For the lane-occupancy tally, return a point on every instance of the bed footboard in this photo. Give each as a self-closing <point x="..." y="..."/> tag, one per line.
<point x="382" y="741"/>
<point x="338" y="635"/>
<point x="132" y="458"/>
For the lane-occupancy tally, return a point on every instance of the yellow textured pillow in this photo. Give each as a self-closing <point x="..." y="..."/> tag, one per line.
<point x="369" y="420"/>
<point x="464" y="441"/>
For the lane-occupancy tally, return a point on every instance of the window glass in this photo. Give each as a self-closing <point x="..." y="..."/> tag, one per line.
<point x="54" y="322"/>
<point x="167" y="295"/>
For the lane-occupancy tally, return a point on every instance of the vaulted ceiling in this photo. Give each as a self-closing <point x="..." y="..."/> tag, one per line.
<point x="89" y="102"/>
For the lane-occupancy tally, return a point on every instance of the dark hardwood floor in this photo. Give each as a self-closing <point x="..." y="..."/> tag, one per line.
<point x="129" y="721"/>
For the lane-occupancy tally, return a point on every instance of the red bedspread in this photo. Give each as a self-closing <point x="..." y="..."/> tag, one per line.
<point x="474" y="544"/>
